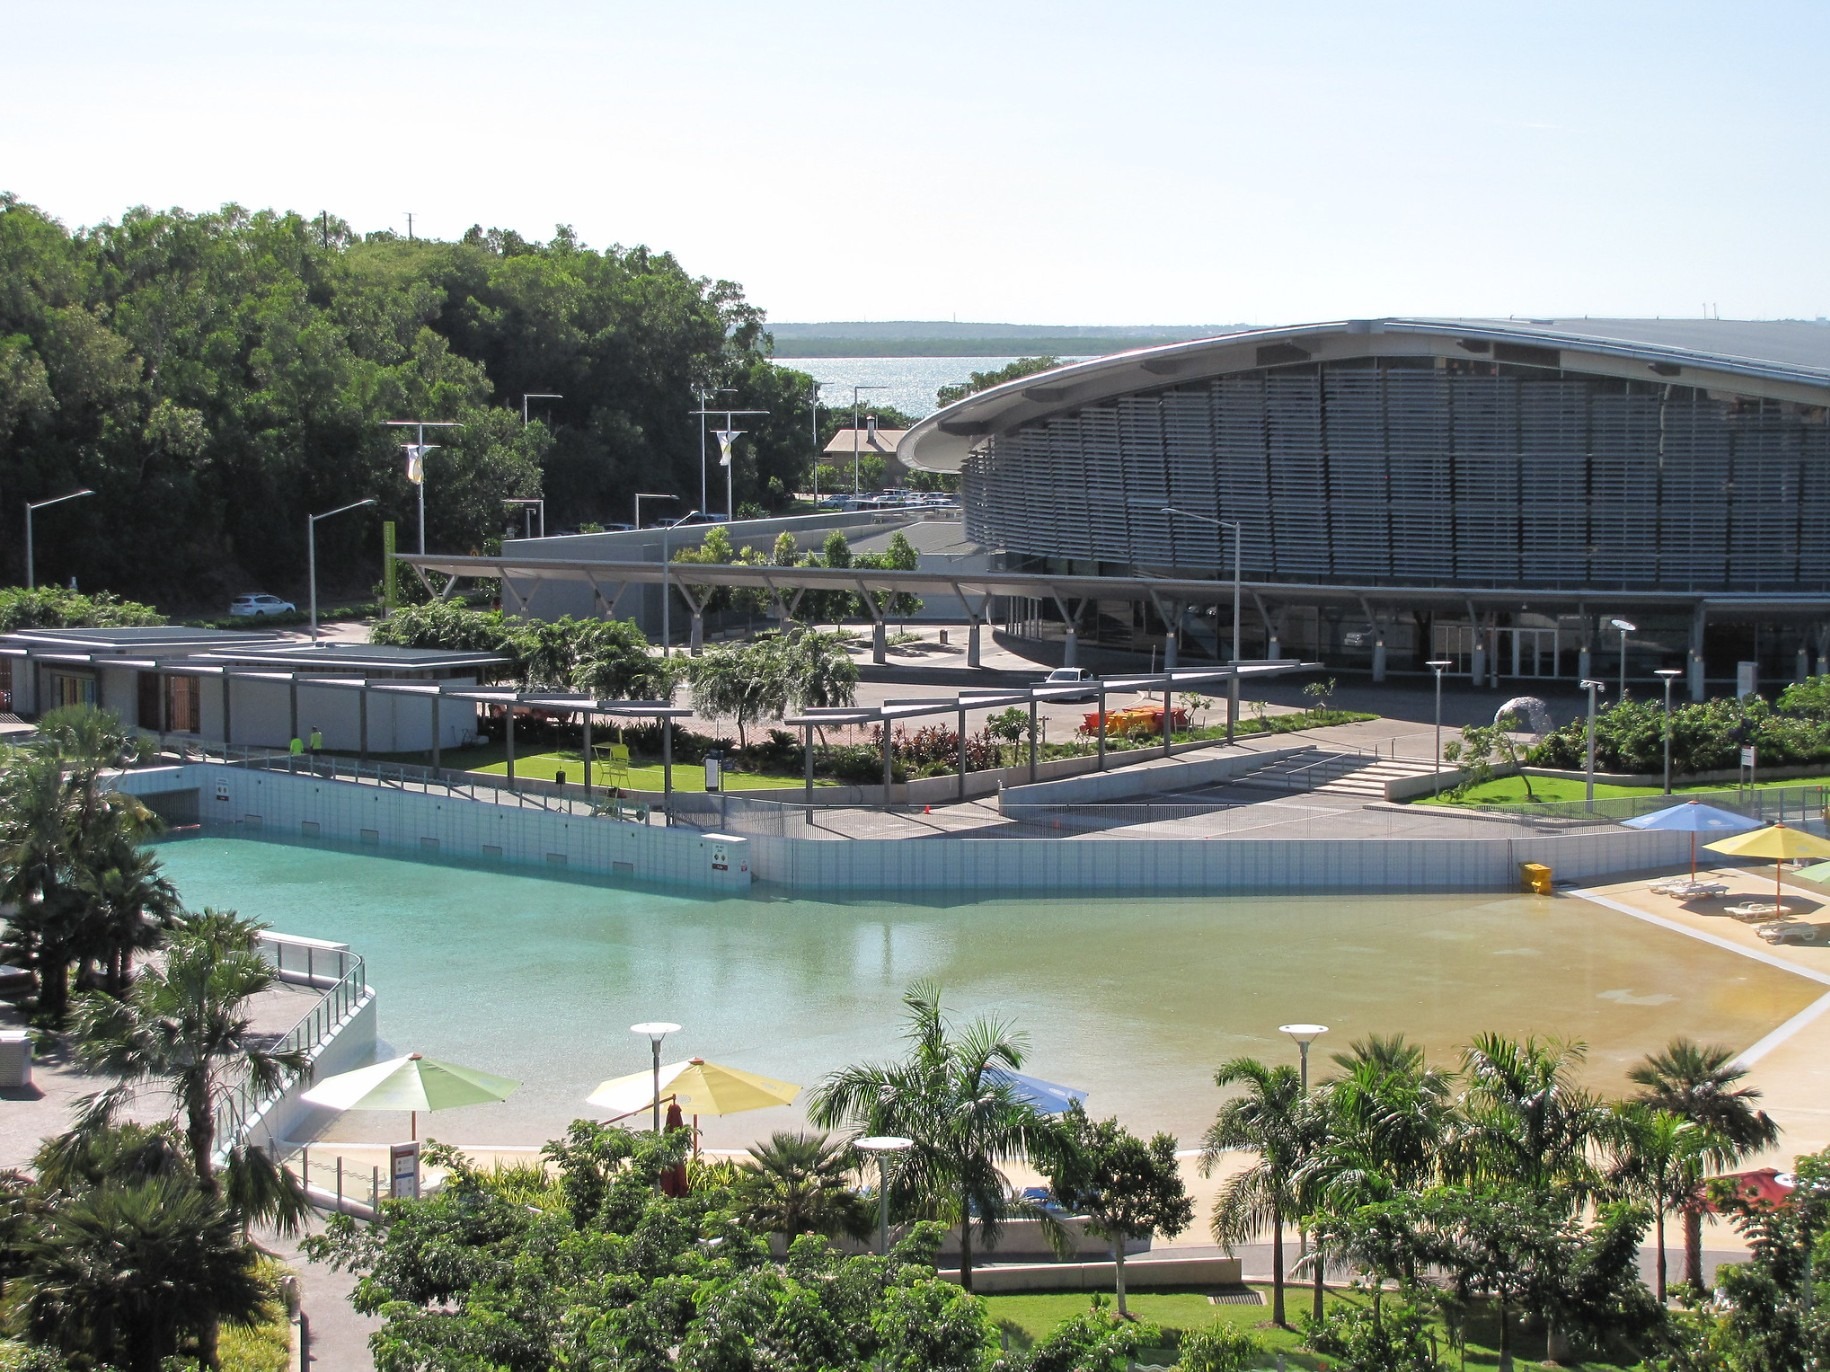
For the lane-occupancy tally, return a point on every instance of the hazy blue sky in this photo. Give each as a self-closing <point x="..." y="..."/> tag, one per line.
<point x="1040" y="163"/>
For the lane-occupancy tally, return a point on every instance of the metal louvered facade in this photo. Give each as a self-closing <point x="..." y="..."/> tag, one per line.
<point x="1423" y="473"/>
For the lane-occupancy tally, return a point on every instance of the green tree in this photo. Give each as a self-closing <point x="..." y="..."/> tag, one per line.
<point x="184" y="1029"/>
<point x="984" y="381"/>
<point x="1127" y="1188"/>
<point x="801" y="1184"/>
<point x="1700" y="1084"/>
<point x="964" y="1119"/>
<point x="1524" y="1121"/>
<point x="127" y="1273"/>
<point x="1658" y="1159"/>
<point x="1273" y="1119"/>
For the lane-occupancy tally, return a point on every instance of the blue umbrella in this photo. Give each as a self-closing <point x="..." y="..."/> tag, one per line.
<point x="1046" y="1097"/>
<point x="1693" y="817"/>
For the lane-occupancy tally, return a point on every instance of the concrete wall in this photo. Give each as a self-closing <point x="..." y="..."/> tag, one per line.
<point x="1163" y="775"/>
<point x="275" y="804"/>
<point x="1243" y="866"/>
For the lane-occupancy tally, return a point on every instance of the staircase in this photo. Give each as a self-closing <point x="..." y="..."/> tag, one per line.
<point x="1339" y="774"/>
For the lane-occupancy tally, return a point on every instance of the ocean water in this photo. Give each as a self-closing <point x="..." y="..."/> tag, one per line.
<point x="909" y="383"/>
<point x="1136" y="1001"/>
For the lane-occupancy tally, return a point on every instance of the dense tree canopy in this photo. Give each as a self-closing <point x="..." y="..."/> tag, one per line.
<point x="215" y="377"/>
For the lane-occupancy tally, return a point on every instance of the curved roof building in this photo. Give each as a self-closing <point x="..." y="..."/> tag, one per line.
<point x="1433" y="484"/>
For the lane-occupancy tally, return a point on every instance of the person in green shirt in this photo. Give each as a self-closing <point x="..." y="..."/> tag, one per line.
<point x="317" y="740"/>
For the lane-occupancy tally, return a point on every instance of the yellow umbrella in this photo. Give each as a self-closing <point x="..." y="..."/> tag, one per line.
<point x="708" y="1087"/>
<point x="1776" y="841"/>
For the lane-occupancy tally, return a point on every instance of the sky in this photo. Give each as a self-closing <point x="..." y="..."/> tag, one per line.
<point x="1058" y="163"/>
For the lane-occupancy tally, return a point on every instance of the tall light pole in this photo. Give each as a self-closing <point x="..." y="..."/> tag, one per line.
<point x="1668" y="675"/>
<point x="528" y="504"/>
<point x="703" y="397"/>
<point x="536" y="395"/>
<point x="855" y="391"/>
<point x="416" y="461"/>
<point x="884" y="1146"/>
<point x="813" y="405"/>
<point x="667" y="599"/>
<point x="1304" y="1034"/>
<point x="640" y="496"/>
<point x="1625" y="629"/>
<point x="1438" y="665"/>
<point x="31" y="505"/>
<point x="1232" y="708"/>
<point x="311" y="555"/>
<point x="1592" y="686"/>
<point x="656" y="1030"/>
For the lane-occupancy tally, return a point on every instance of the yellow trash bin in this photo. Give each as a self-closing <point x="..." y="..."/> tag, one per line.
<point x="1536" y="878"/>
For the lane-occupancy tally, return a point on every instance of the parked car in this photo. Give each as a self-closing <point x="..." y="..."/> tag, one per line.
<point x="258" y="605"/>
<point x="1072" y="676"/>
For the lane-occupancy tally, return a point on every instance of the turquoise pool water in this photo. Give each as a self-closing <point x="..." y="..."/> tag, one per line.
<point x="1136" y="1001"/>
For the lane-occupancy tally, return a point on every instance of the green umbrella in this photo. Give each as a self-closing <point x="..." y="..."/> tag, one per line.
<point x="412" y="1083"/>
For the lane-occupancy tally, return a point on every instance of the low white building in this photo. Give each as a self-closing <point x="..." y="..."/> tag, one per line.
<point x="226" y="688"/>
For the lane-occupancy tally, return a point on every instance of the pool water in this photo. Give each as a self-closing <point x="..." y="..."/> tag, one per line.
<point x="1137" y="1001"/>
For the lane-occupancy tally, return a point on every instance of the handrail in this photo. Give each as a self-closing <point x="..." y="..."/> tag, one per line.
<point x="241" y="1106"/>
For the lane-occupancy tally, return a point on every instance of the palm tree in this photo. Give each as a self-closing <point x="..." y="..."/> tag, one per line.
<point x="801" y="1184"/>
<point x="184" y="1027"/>
<point x="1697" y="1083"/>
<point x="1274" y="1119"/>
<point x="129" y="907"/>
<point x="947" y="1097"/>
<point x="1524" y="1120"/>
<point x="1388" y="1112"/>
<point x="60" y="823"/>
<point x="1658" y="1159"/>
<point x="124" y="1273"/>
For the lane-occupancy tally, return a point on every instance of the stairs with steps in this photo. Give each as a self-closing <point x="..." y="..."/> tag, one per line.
<point x="1338" y="774"/>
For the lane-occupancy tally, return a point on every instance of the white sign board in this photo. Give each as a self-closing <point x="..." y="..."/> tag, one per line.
<point x="1747" y="757"/>
<point x="403" y="1171"/>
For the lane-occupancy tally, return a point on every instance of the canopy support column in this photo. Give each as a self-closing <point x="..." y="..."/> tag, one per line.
<point x="961" y="739"/>
<point x="807" y="767"/>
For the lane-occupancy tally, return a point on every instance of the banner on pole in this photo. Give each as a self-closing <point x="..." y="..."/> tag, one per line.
<point x="726" y="437"/>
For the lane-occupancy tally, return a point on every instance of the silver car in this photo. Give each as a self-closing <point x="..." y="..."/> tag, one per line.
<point x="258" y="605"/>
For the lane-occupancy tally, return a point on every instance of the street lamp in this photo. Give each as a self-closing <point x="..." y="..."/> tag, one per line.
<point x="1438" y="665"/>
<point x="1668" y="674"/>
<point x="640" y="496"/>
<point x="311" y="555"/>
<point x="31" y="505"/>
<point x="656" y="1030"/>
<point x="1625" y="629"/>
<point x="1304" y="1034"/>
<point x="1592" y="686"/>
<point x="667" y="638"/>
<point x="854" y="434"/>
<point x="813" y="405"/>
<point x="527" y="502"/>
<point x="884" y="1146"/>
<point x="535" y="395"/>
<point x="416" y="461"/>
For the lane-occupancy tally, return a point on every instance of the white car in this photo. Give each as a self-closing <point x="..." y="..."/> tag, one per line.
<point x="1072" y="676"/>
<point x="258" y="605"/>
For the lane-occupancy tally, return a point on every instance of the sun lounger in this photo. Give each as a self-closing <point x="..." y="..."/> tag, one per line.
<point x="1689" y="890"/>
<point x="1758" y="910"/>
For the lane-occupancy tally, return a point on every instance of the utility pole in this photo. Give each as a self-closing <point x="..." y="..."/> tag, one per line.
<point x="727" y="436"/>
<point x="814" y="405"/>
<point x="409" y="226"/>
<point x="854" y="434"/>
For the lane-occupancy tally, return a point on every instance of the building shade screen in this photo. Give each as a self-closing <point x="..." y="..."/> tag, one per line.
<point x="1418" y="476"/>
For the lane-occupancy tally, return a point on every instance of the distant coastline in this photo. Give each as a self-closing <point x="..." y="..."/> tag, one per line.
<point x="944" y="338"/>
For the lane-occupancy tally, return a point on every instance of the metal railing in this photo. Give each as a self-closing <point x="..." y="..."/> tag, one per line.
<point x="1795" y="805"/>
<point x="339" y="1181"/>
<point x="341" y="998"/>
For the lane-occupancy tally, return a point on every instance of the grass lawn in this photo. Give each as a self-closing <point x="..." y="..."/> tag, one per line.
<point x="1502" y="790"/>
<point x="688" y="776"/>
<point x="1025" y="1318"/>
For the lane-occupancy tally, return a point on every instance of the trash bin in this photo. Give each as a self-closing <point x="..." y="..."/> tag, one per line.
<point x="1535" y="877"/>
<point x="559" y="776"/>
<point x="15" y="1058"/>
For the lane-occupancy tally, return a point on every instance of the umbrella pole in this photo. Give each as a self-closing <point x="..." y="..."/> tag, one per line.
<point x="695" y="1133"/>
<point x="1693" y="854"/>
<point x="413" y="1125"/>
